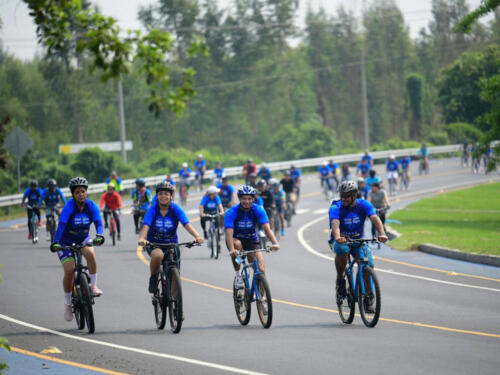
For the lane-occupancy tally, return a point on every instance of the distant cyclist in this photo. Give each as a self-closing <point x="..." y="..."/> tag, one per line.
<point x="241" y="223"/>
<point x="210" y="205"/>
<point x="404" y="164"/>
<point x="296" y="176"/>
<point x="423" y="155"/>
<point x="160" y="226"/>
<point x="324" y="174"/>
<point x="170" y="179"/>
<point x="362" y="188"/>
<point x="279" y="201"/>
<point x="184" y="177"/>
<point x="347" y="220"/>
<point x="345" y="173"/>
<point x="372" y="178"/>
<point x="74" y="225"/>
<point x="267" y="200"/>
<point x="200" y="167"/>
<point x="288" y="184"/>
<point x="141" y="199"/>
<point x="392" y="168"/>
<point x="218" y="173"/>
<point x="226" y="193"/>
<point x="248" y="168"/>
<point x="368" y="158"/>
<point x="52" y="196"/>
<point x="114" y="180"/>
<point x="33" y="195"/>
<point x="264" y="172"/>
<point x="334" y="168"/>
<point x="111" y="203"/>
<point x="363" y="168"/>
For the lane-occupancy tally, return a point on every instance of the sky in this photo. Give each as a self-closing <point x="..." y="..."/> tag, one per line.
<point x="18" y="34"/>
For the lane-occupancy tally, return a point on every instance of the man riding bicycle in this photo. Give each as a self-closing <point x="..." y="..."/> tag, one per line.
<point x="160" y="226"/>
<point x="34" y="196"/>
<point x="241" y="223"/>
<point x="264" y="173"/>
<point x="141" y="199"/>
<point x="369" y="159"/>
<point x="363" y="168"/>
<point x="74" y="225"/>
<point x="267" y="200"/>
<point x="111" y="202"/>
<point x="200" y="167"/>
<point x="372" y="178"/>
<point x="279" y="201"/>
<point x="404" y="163"/>
<point x="324" y="174"/>
<point x="423" y="155"/>
<point x="289" y="188"/>
<point x="51" y="197"/>
<point x="296" y="176"/>
<point x="378" y="197"/>
<point x="210" y="204"/>
<point x="184" y="177"/>
<point x="218" y="173"/>
<point x="114" y="180"/>
<point x="226" y="193"/>
<point x="347" y="220"/>
<point x="248" y="168"/>
<point x="392" y="169"/>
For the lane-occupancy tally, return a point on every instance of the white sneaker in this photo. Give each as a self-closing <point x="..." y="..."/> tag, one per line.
<point x="68" y="313"/>
<point x="96" y="292"/>
<point x="238" y="282"/>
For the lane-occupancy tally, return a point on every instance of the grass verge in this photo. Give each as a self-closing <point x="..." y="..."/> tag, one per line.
<point x="467" y="220"/>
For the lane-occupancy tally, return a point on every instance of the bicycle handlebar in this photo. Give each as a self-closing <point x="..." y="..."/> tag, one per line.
<point x="361" y="240"/>
<point x="167" y="246"/>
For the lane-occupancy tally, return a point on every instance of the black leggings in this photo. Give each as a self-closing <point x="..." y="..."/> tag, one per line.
<point x="382" y="219"/>
<point x="203" y="221"/>
<point x="137" y="215"/>
<point x="34" y="210"/>
<point x="115" y="215"/>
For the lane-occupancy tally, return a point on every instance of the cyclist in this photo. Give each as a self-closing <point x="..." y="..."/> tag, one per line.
<point x="218" y="173"/>
<point x="210" y="204"/>
<point x="200" y="166"/>
<point x="141" y="198"/>
<point x="363" y="168"/>
<point x="34" y="196"/>
<point x="160" y="226"/>
<point x="296" y="176"/>
<point x="267" y="200"/>
<point x="378" y="197"/>
<point x="51" y="197"/>
<point x="465" y="154"/>
<point x="288" y="184"/>
<point x="347" y="219"/>
<point x="392" y="171"/>
<point x="74" y="224"/>
<point x="264" y="173"/>
<point x="226" y="193"/>
<point x="111" y="202"/>
<point x="248" y="168"/>
<point x="372" y="178"/>
<point x="324" y="173"/>
<point x="114" y="180"/>
<point x="241" y="223"/>
<point x="184" y="177"/>
<point x="423" y="155"/>
<point x="362" y="188"/>
<point x="345" y="172"/>
<point x="279" y="201"/>
<point x="170" y="179"/>
<point x="404" y="163"/>
<point x="333" y="172"/>
<point x="252" y="180"/>
<point x="368" y="158"/>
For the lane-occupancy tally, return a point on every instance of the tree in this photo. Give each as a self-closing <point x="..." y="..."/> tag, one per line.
<point x="486" y="7"/>
<point x="414" y="89"/>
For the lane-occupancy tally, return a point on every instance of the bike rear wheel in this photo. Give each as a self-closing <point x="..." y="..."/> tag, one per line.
<point x="77" y="302"/>
<point x="264" y="301"/>
<point x="51" y="223"/>
<point x="112" y="231"/>
<point x="242" y="304"/>
<point x="211" y="239"/>
<point x="370" y="318"/>
<point x="87" y="303"/>
<point x="175" y="303"/>
<point x="217" y="247"/>
<point x="277" y="227"/>
<point x="347" y="305"/>
<point x="159" y="303"/>
<point x="288" y="214"/>
<point x="34" y="229"/>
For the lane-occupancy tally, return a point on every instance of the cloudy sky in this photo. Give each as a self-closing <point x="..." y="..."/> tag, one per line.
<point x="18" y="32"/>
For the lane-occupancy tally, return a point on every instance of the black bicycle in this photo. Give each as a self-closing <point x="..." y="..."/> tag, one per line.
<point x="362" y="287"/>
<point x="169" y="291"/>
<point x="276" y="223"/>
<point x="140" y="222"/>
<point x="288" y="211"/>
<point x="82" y="299"/>
<point x="51" y="224"/>
<point x="33" y="222"/>
<point x="213" y="236"/>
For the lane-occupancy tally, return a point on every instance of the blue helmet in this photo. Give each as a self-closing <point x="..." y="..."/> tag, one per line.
<point x="140" y="181"/>
<point x="246" y="190"/>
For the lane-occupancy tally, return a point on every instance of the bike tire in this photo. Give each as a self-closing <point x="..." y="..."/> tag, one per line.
<point x="35" y="231"/>
<point x="289" y="215"/>
<point x="369" y="319"/>
<point x="160" y="303"/>
<point x="243" y="308"/>
<point x="217" y="247"/>
<point x="52" y="229"/>
<point x="175" y="303"/>
<point x="277" y="227"/>
<point x="76" y="301"/>
<point x="212" y="244"/>
<point x="347" y="305"/>
<point x="87" y="303"/>
<point x="264" y="301"/>
<point x="112" y="232"/>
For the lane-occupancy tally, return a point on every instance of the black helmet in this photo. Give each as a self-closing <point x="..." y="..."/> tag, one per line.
<point x="165" y="185"/>
<point x="261" y="183"/>
<point x="33" y="183"/>
<point x="372" y="173"/>
<point x="52" y="183"/>
<point x="78" y="182"/>
<point x="348" y="187"/>
<point x="140" y="181"/>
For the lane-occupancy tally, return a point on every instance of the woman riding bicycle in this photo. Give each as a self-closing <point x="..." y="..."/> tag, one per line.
<point x="210" y="204"/>
<point x="111" y="202"/>
<point x="74" y="224"/>
<point x="160" y="226"/>
<point x="378" y="197"/>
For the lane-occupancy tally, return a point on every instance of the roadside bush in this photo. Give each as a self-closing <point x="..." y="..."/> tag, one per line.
<point x="460" y="132"/>
<point x="438" y="138"/>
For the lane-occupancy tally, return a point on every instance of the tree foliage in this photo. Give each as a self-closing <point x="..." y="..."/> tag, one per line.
<point x="486" y="7"/>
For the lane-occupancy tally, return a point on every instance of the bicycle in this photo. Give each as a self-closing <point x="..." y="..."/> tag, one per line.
<point x="213" y="236"/>
<point x="82" y="298"/>
<point x="464" y="159"/>
<point x="423" y="167"/>
<point x="112" y="224"/>
<point x="475" y="165"/>
<point x="357" y="289"/>
<point x="183" y="191"/>
<point x="33" y="222"/>
<point x="51" y="221"/>
<point x="276" y="223"/>
<point x="140" y="222"/>
<point x="255" y="291"/>
<point x="325" y="184"/>
<point x="392" y="186"/>
<point x="405" y="181"/>
<point x="169" y="292"/>
<point x="288" y="211"/>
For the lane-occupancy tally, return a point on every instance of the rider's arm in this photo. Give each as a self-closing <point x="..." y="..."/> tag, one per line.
<point x="61" y="195"/>
<point x="220" y="208"/>
<point x="386" y="199"/>
<point x="202" y="204"/>
<point x="229" y="239"/>
<point x="147" y="222"/>
<point x="143" y="235"/>
<point x="336" y="229"/>
<point x="378" y="224"/>
<point x="202" y="210"/>
<point x="103" y="200"/>
<point x="96" y="217"/>
<point x="269" y="233"/>
<point x="25" y="195"/>
<point x="193" y="232"/>
<point x="63" y="220"/>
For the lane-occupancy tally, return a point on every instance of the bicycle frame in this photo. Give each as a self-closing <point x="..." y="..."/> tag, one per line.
<point x="361" y="260"/>
<point x="253" y="290"/>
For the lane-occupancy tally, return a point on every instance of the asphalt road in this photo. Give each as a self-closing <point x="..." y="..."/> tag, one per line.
<point x="439" y="316"/>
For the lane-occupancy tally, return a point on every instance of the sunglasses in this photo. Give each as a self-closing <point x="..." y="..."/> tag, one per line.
<point x="346" y="196"/>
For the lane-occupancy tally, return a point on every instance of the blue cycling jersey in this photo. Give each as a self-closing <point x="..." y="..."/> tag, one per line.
<point x="333" y="168"/>
<point x="264" y="173"/>
<point x="371" y="180"/>
<point x="352" y="219"/>
<point x="364" y="168"/>
<point x="259" y="201"/>
<point x="218" y="172"/>
<point x="279" y="196"/>
<point x="226" y="193"/>
<point x="392" y="166"/>
<point x="199" y="164"/>
<point x="172" y="181"/>
<point x="244" y="223"/>
<point x="52" y="197"/>
<point x="324" y="170"/>
<point x="142" y="198"/>
<point x="368" y="158"/>
<point x="74" y="225"/>
<point x="34" y="196"/>
<point x="210" y="205"/>
<point x="184" y="173"/>
<point x="295" y="174"/>
<point x="163" y="229"/>
<point x="405" y="162"/>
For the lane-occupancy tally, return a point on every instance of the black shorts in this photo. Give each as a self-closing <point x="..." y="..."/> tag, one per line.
<point x="249" y="244"/>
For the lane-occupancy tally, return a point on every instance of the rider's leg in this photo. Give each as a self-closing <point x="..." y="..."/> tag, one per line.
<point x="203" y="222"/>
<point x="117" y="219"/>
<point x="136" y="219"/>
<point x="105" y="215"/>
<point x="237" y="246"/>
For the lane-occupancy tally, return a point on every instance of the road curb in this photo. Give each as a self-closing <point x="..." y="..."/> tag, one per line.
<point x="491" y="260"/>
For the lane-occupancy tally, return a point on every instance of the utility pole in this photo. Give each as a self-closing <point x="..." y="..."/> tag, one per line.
<point x="366" y="130"/>
<point x="122" y="121"/>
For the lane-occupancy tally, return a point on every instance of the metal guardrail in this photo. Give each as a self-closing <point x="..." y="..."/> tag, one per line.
<point x="10" y="200"/>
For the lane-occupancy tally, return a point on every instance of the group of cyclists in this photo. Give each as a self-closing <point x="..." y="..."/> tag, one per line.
<point x="470" y="152"/>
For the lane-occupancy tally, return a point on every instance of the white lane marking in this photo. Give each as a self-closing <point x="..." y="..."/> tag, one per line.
<point x="132" y="349"/>
<point x="303" y="242"/>
<point x="321" y="211"/>
<point x="302" y="211"/>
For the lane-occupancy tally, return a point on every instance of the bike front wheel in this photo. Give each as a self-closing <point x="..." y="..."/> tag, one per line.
<point x="159" y="303"/>
<point x="242" y="304"/>
<point x="87" y="303"/>
<point x="347" y="304"/>
<point x="264" y="301"/>
<point x="77" y="302"/>
<point x="370" y="301"/>
<point x="175" y="302"/>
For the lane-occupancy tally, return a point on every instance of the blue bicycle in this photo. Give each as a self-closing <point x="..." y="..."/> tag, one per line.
<point x="256" y="290"/>
<point x="364" y="289"/>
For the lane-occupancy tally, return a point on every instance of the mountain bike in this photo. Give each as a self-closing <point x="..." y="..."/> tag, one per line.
<point x="213" y="236"/>
<point x="112" y="224"/>
<point x="140" y="221"/>
<point x="51" y="225"/>
<point x="169" y="292"/>
<point x="82" y="299"/>
<point x="362" y="288"/>
<point x="276" y="223"/>
<point x="288" y="211"/>
<point x="183" y="191"/>
<point x="255" y="290"/>
<point x="33" y="222"/>
<point x="405" y="181"/>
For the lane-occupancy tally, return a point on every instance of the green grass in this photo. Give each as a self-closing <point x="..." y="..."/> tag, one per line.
<point x="467" y="220"/>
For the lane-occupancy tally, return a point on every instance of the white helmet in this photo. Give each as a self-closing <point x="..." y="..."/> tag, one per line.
<point x="200" y="155"/>
<point x="325" y="163"/>
<point x="212" y="190"/>
<point x="263" y="165"/>
<point x="392" y="156"/>
<point x="184" y="165"/>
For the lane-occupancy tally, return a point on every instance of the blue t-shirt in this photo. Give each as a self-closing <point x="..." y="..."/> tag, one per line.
<point x="352" y="220"/>
<point x="51" y="198"/>
<point x="218" y="172"/>
<point x="226" y="193"/>
<point x="392" y="166"/>
<point x="172" y="181"/>
<point x="184" y="173"/>
<point x="324" y="170"/>
<point x="34" y="196"/>
<point x="210" y="205"/>
<point x="364" y="168"/>
<point x="244" y="223"/>
<point x="259" y="201"/>
<point x="295" y="174"/>
<point x="163" y="229"/>
<point x="371" y="180"/>
<point x="198" y="165"/>
<point x="74" y="225"/>
<point x="368" y="158"/>
<point x="405" y="162"/>
<point x="278" y="196"/>
<point x="143" y="199"/>
<point x="264" y="173"/>
<point x="333" y="168"/>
